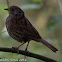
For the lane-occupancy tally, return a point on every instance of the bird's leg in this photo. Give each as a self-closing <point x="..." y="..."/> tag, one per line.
<point x="27" y="46"/>
<point x="26" y="50"/>
<point x="18" y="47"/>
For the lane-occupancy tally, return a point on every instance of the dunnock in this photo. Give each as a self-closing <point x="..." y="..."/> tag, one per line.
<point x="20" y="29"/>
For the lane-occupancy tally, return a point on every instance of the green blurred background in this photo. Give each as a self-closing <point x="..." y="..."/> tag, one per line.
<point x="45" y="16"/>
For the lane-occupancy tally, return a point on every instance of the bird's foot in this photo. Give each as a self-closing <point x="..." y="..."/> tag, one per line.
<point x="16" y="49"/>
<point x="26" y="51"/>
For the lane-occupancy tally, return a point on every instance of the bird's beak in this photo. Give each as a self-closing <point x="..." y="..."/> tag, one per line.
<point x="5" y="9"/>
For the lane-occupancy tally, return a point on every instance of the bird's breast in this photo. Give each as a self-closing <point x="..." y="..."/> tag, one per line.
<point x="10" y="23"/>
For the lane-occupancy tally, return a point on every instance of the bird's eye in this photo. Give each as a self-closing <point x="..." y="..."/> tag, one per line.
<point x="12" y="10"/>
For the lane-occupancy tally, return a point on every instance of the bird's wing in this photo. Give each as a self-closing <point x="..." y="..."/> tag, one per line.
<point x="26" y="29"/>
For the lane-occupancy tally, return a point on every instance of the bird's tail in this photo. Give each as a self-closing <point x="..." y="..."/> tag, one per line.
<point x="47" y="44"/>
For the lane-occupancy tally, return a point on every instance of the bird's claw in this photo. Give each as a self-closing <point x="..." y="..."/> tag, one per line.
<point x="26" y="51"/>
<point x="16" y="49"/>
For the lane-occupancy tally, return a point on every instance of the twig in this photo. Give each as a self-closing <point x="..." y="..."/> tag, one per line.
<point x="60" y="5"/>
<point x="27" y="54"/>
<point x="7" y="3"/>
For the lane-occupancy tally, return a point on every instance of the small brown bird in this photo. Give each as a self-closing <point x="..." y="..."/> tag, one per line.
<point x="20" y="29"/>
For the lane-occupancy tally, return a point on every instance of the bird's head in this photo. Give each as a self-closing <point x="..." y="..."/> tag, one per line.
<point x="14" y="10"/>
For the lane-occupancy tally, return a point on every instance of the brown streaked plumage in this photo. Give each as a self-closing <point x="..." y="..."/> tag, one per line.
<point x="19" y="28"/>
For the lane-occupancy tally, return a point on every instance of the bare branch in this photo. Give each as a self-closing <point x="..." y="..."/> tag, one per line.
<point x="7" y="3"/>
<point x="27" y="54"/>
<point x="60" y="5"/>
